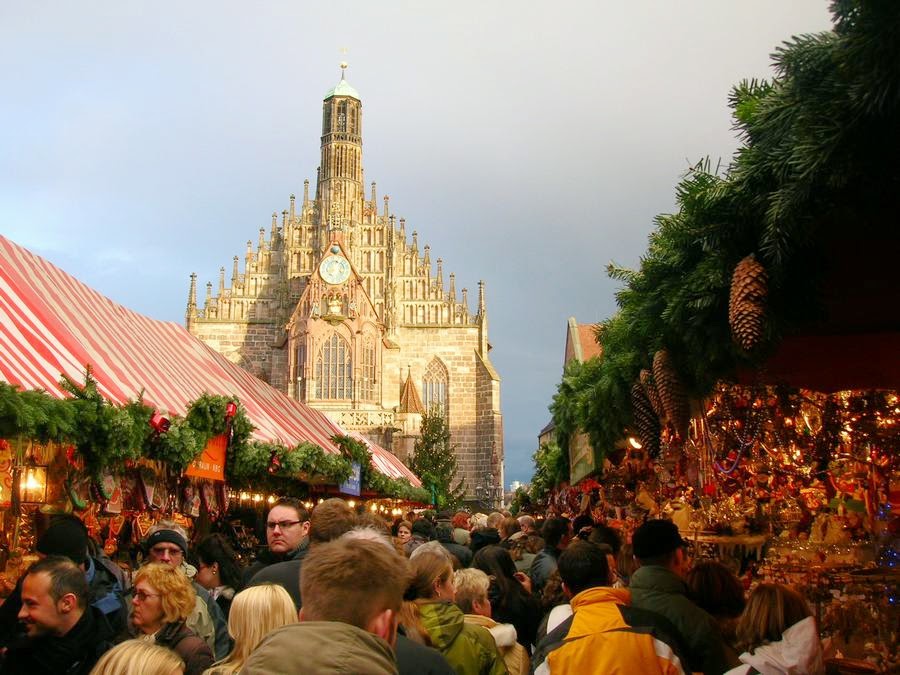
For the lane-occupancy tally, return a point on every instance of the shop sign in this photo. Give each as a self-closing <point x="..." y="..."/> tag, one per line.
<point x="211" y="462"/>
<point x="351" y="485"/>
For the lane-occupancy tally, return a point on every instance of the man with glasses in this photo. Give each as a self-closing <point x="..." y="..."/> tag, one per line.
<point x="287" y="530"/>
<point x="658" y="585"/>
<point x="329" y="520"/>
<point x="167" y="543"/>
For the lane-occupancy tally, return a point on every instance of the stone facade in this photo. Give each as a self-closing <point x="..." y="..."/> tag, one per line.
<point x="337" y="306"/>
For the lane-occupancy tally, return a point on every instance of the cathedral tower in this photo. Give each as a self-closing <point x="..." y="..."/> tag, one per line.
<point x="340" y="308"/>
<point x="339" y="189"/>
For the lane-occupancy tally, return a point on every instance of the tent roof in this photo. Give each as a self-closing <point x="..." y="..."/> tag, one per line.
<point x="52" y="324"/>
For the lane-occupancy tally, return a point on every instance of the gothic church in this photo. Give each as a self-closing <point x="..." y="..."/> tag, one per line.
<point x="338" y="307"/>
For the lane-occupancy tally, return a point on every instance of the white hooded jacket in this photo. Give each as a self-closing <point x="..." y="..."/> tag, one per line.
<point x="799" y="652"/>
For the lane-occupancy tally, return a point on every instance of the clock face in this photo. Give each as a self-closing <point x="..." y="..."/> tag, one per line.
<point x="334" y="269"/>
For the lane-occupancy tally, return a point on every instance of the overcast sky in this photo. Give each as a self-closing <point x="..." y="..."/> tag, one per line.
<point x="528" y="142"/>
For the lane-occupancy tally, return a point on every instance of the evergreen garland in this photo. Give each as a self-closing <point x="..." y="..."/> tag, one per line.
<point x="108" y="437"/>
<point x="820" y="143"/>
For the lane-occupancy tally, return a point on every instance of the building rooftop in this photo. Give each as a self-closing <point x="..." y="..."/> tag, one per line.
<point x="342" y="88"/>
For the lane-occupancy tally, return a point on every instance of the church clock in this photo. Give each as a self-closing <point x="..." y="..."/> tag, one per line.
<point x="334" y="269"/>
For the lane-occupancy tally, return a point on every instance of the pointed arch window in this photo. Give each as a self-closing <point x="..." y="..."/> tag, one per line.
<point x="342" y="116"/>
<point x="333" y="370"/>
<point x="367" y="370"/>
<point x="434" y="387"/>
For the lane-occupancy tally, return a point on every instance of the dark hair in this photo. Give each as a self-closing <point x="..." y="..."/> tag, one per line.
<point x="552" y="593"/>
<point x="443" y="532"/>
<point x="604" y="534"/>
<point x="554" y="530"/>
<point x="496" y="562"/>
<point x="330" y="520"/>
<point x="583" y="565"/>
<point x="215" y="548"/>
<point x="296" y="504"/>
<point x="580" y="522"/>
<point x="65" y="577"/>
<point x="424" y="529"/>
<point x="715" y="588"/>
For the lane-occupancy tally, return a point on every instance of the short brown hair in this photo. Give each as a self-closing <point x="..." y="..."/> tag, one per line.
<point x="176" y="593"/>
<point x="771" y="610"/>
<point x="296" y="504"/>
<point x="351" y="581"/>
<point x="508" y="527"/>
<point x="330" y="520"/>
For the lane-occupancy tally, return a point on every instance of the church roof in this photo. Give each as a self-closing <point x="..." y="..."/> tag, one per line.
<point x="581" y="341"/>
<point x="409" y="398"/>
<point x="342" y="88"/>
<point x="51" y="324"/>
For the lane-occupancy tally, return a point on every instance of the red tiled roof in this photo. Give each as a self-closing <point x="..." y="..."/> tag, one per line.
<point x="52" y="324"/>
<point x="589" y="346"/>
<point x="409" y="398"/>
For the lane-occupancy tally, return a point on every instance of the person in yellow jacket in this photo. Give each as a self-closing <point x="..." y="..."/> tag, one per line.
<point x="605" y="634"/>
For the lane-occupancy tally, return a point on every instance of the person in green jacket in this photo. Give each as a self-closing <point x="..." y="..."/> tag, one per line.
<point x="430" y="616"/>
<point x="659" y="585"/>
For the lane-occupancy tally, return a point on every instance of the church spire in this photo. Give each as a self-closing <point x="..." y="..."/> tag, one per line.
<point x="482" y="322"/>
<point x="191" y="313"/>
<point x="340" y="176"/>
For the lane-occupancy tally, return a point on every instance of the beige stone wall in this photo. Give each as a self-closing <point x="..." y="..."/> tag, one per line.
<point x="455" y="347"/>
<point x="249" y="345"/>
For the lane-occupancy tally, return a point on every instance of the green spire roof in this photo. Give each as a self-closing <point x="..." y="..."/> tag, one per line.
<point x="343" y="88"/>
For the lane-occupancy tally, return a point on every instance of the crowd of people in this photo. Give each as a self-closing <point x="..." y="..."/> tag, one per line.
<point x="339" y="590"/>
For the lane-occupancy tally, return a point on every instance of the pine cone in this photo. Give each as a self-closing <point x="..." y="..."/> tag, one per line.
<point x="747" y="304"/>
<point x="671" y="392"/>
<point x="645" y="420"/>
<point x="652" y="393"/>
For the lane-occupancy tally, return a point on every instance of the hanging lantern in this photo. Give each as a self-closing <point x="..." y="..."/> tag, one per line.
<point x="33" y="485"/>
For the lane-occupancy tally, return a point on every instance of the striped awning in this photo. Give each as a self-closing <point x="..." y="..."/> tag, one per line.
<point x="52" y="324"/>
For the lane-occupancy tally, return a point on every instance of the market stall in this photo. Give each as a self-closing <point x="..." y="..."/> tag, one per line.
<point x="109" y="414"/>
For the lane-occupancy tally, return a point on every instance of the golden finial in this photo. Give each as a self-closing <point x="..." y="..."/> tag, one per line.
<point x="344" y="51"/>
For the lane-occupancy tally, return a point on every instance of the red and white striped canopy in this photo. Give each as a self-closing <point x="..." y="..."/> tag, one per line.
<point x="52" y="324"/>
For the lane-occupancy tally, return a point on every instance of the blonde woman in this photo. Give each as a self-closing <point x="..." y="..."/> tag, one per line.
<point x="472" y="586"/>
<point x="163" y="599"/>
<point x="255" y="612"/>
<point x="137" y="657"/>
<point x="430" y="617"/>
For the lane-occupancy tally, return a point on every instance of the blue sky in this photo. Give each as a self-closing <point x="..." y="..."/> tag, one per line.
<point x="529" y="143"/>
